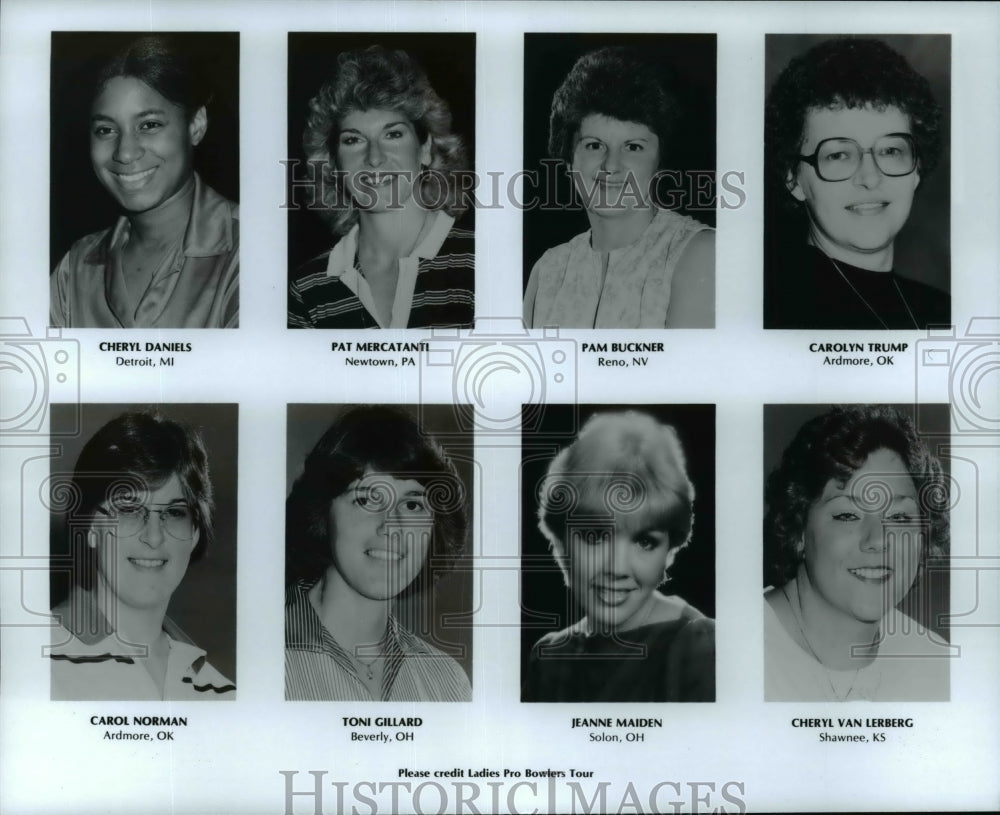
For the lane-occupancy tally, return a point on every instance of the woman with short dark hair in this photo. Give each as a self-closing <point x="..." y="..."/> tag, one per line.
<point x="141" y="511"/>
<point x="851" y="130"/>
<point x="391" y="192"/>
<point x="172" y="259"/>
<point x="378" y="512"/>
<point x="639" y="265"/>
<point x="854" y="510"/>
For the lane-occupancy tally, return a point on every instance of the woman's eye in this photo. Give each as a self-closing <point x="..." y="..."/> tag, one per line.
<point x="840" y="155"/>
<point x="846" y="516"/>
<point x="901" y="517"/>
<point x="647" y="542"/>
<point x="129" y="510"/>
<point x="177" y="513"/>
<point x="414" y="506"/>
<point x="635" y="147"/>
<point x="150" y="125"/>
<point x="394" y="134"/>
<point x="592" y="144"/>
<point x="349" y="141"/>
<point x="102" y="131"/>
<point x="360" y="501"/>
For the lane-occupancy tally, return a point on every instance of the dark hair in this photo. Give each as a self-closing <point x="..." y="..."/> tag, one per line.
<point x="157" y="60"/>
<point x="834" y="446"/>
<point x="377" y="438"/>
<point x="619" y="83"/>
<point x="132" y="453"/>
<point x="621" y="463"/>
<point x="849" y="73"/>
<point x="389" y="80"/>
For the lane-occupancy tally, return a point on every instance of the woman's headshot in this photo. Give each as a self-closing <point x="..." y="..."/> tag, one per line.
<point x="854" y="135"/>
<point x="376" y="515"/>
<point x="170" y="256"/>
<point x="139" y="511"/>
<point x="383" y="141"/>
<point x="630" y="130"/>
<point x="616" y="508"/>
<point x="856" y="531"/>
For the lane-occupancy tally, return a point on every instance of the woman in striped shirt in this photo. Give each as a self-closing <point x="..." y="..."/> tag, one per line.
<point x="377" y="511"/>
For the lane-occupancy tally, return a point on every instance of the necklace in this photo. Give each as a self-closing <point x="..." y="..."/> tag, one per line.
<point x="871" y="308"/>
<point x="369" y="665"/>
<point x="800" y="622"/>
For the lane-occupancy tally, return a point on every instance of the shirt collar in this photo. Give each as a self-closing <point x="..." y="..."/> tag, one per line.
<point x="341" y="259"/>
<point x="209" y="230"/>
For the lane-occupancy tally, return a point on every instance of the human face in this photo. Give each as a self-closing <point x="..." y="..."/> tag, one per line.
<point x="141" y="144"/>
<point x="380" y="530"/>
<point x="144" y="569"/>
<point x="614" y="572"/>
<point x="855" y="220"/>
<point x="614" y="164"/>
<point x="381" y="154"/>
<point x="854" y="567"/>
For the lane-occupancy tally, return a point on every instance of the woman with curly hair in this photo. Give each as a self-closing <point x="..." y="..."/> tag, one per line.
<point x="854" y="510"/>
<point x="141" y="513"/>
<point x="613" y="122"/>
<point x="383" y="138"/>
<point x="378" y="502"/>
<point x="617" y="508"/>
<point x="851" y="130"/>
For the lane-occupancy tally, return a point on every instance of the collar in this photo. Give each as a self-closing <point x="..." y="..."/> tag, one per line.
<point x="209" y="230"/>
<point x="341" y="264"/>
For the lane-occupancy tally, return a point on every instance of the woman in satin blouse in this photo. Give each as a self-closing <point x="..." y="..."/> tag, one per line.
<point x="172" y="258"/>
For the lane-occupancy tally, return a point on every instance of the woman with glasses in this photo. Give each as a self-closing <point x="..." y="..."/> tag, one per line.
<point x="376" y="515"/>
<point x="141" y="512"/>
<point x="615" y="122"/>
<point x="851" y="131"/>
<point x="855" y="508"/>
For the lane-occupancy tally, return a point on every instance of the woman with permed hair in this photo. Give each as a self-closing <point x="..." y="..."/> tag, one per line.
<point x="172" y="258"/>
<point x="378" y="513"/>
<point x="613" y="124"/>
<point x="851" y="130"/>
<point x="382" y="138"/>
<point x="855" y="509"/>
<point x="140" y="511"/>
<point x="617" y="507"/>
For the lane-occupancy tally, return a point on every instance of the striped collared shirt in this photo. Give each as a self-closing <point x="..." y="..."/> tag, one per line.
<point x="318" y="668"/>
<point x="435" y="286"/>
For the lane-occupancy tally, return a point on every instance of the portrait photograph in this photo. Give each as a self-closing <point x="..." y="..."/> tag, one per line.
<point x="143" y="552"/>
<point x="857" y="216"/>
<point x="378" y="575"/>
<point x="144" y="162"/>
<point x="856" y="543"/>
<point x="381" y="151"/>
<point x="618" y="555"/>
<point x="620" y="196"/>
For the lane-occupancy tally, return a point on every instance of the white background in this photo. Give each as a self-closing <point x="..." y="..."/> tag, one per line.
<point x="229" y="757"/>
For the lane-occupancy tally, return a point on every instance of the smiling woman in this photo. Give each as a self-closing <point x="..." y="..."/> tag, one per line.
<point x="852" y="133"/>
<point x="377" y="514"/>
<point x="381" y="138"/>
<point x="172" y="259"/>
<point x="856" y="509"/>
<point x="140" y="511"/>
<point x="614" y="124"/>
<point x="617" y="507"/>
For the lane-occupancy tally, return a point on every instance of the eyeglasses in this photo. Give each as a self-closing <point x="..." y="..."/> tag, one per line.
<point x="177" y="520"/>
<point x="838" y="159"/>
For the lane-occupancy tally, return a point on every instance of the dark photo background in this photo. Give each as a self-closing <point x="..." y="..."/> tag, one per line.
<point x="782" y="422"/>
<point x="545" y="602"/>
<point x="548" y="58"/>
<point x="204" y="605"/>
<point x="78" y="204"/>
<point x="923" y="246"/>
<point x="449" y="60"/>
<point x="444" y="620"/>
